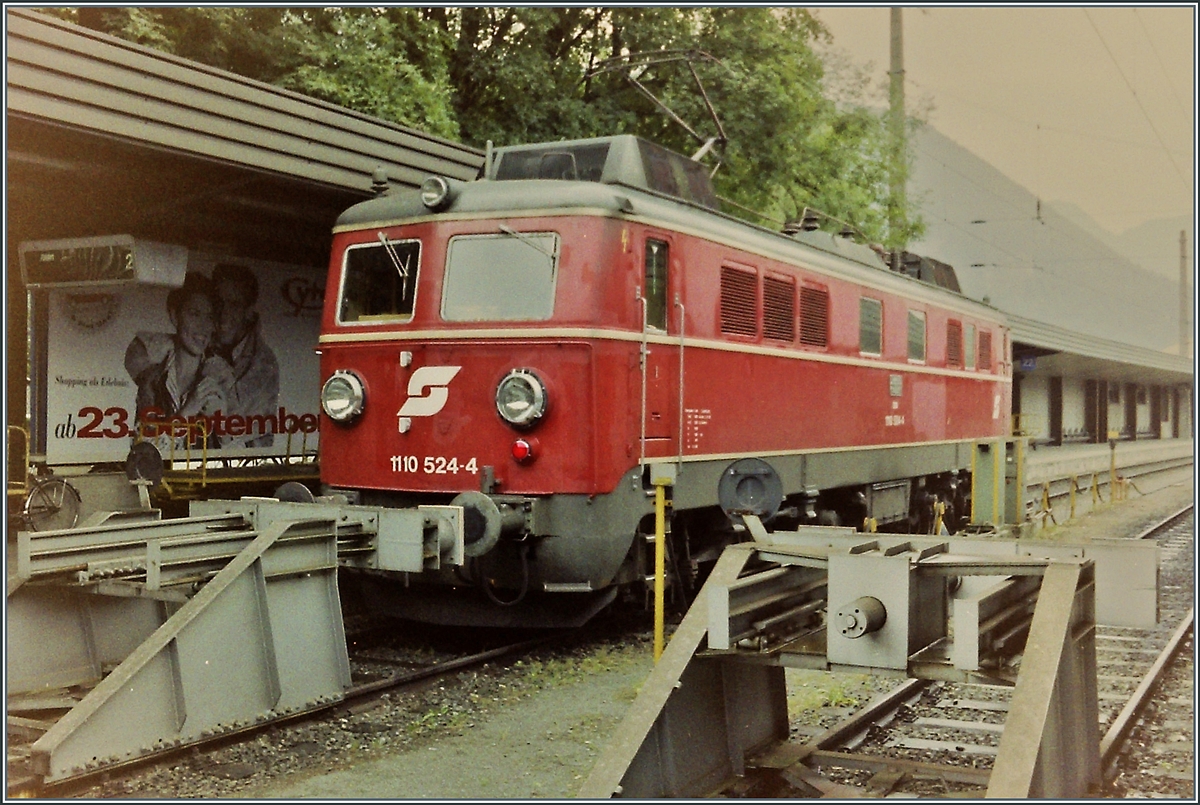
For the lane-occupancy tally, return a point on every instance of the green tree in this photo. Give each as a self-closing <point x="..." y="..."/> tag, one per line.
<point x="252" y="42"/>
<point x="525" y="74"/>
<point x="362" y="59"/>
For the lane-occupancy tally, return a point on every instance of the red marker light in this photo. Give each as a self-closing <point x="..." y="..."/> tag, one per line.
<point x="522" y="451"/>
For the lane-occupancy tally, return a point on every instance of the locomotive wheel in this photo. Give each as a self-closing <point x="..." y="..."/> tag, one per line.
<point x="828" y="517"/>
<point x="693" y="551"/>
<point x="679" y="566"/>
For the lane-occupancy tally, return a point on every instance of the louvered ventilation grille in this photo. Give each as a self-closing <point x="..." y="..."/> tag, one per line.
<point x="985" y="352"/>
<point x="814" y="317"/>
<point x="954" y="344"/>
<point x="739" y="302"/>
<point x="779" y="309"/>
<point x="870" y="326"/>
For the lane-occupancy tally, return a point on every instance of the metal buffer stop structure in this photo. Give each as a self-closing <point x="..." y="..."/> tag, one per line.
<point x="133" y="635"/>
<point x="1011" y="612"/>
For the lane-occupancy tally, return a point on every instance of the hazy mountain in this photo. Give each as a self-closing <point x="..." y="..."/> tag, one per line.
<point x="1158" y="243"/>
<point x="1153" y="245"/>
<point x="1052" y="264"/>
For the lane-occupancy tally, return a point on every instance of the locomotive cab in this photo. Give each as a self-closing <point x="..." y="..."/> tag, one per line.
<point x="480" y="346"/>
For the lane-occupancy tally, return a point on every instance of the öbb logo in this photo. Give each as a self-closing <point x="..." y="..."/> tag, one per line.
<point x="428" y="390"/>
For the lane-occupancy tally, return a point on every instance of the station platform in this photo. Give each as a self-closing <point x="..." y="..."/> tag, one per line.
<point x="1045" y="463"/>
<point x="1063" y="483"/>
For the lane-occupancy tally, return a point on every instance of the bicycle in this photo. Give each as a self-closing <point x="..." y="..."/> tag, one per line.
<point x="50" y="504"/>
<point x="38" y="501"/>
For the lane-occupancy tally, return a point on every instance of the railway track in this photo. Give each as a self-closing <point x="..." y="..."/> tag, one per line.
<point x="1061" y="492"/>
<point x="865" y="756"/>
<point x="381" y="667"/>
<point x="932" y="739"/>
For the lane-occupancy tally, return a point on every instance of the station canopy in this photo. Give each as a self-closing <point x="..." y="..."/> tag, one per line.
<point x="108" y="137"/>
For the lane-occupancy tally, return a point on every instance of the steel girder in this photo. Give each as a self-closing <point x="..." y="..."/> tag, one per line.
<point x="716" y="704"/>
<point x="261" y="637"/>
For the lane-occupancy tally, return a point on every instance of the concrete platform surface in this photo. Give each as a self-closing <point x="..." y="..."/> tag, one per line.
<point x="1052" y="463"/>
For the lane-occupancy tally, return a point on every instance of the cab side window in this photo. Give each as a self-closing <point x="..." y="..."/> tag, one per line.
<point x="656" y="284"/>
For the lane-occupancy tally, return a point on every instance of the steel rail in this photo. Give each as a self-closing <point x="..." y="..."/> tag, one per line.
<point x="874" y="712"/>
<point x="1037" y="487"/>
<point x="1114" y="738"/>
<point x="879" y="709"/>
<point x="31" y="787"/>
<point x="1166" y="522"/>
<point x="838" y="735"/>
<point x="1112" y="741"/>
<point x="401" y="680"/>
<point x="822" y="750"/>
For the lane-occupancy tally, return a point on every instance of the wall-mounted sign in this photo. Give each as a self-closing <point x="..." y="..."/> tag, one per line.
<point x="113" y="259"/>
<point x="222" y="365"/>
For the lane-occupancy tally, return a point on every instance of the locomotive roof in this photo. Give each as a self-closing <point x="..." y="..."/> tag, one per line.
<point x="613" y="196"/>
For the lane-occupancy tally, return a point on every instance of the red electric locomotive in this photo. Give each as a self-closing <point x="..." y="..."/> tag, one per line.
<point x="527" y="345"/>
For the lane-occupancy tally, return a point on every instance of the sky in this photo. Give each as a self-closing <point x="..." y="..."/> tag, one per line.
<point x="1090" y="105"/>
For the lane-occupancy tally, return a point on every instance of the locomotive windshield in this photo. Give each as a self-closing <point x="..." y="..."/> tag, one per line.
<point x="581" y="163"/>
<point x="505" y="277"/>
<point x="676" y="175"/>
<point x="379" y="282"/>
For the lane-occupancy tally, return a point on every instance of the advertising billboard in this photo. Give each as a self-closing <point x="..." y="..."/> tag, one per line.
<point x="222" y="365"/>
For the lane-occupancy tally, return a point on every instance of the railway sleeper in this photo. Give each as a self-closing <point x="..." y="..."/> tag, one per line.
<point x="712" y="716"/>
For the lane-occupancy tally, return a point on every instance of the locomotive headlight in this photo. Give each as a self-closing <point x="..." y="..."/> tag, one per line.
<point x="521" y="398"/>
<point x="343" y="396"/>
<point x="436" y="193"/>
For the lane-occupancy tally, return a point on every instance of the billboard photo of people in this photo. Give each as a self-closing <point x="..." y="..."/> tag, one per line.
<point x="194" y="368"/>
<point x="254" y="380"/>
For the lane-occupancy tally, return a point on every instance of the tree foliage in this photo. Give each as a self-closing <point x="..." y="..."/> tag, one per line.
<point x="525" y="74"/>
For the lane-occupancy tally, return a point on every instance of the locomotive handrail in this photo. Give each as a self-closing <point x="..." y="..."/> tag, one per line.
<point x="682" y="323"/>
<point x="645" y="353"/>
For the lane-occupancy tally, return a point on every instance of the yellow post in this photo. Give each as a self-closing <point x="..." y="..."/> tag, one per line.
<point x="662" y="476"/>
<point x="660" y="555"/>
<point x="1112" y="466"/>
<point x="998" y="481"/>
<point x="939" y="509"/>
<point x="974" y="478"/>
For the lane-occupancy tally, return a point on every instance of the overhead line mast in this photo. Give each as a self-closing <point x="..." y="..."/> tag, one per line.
<point x="1185" y="299"/>
<point x="899" y="163"/>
